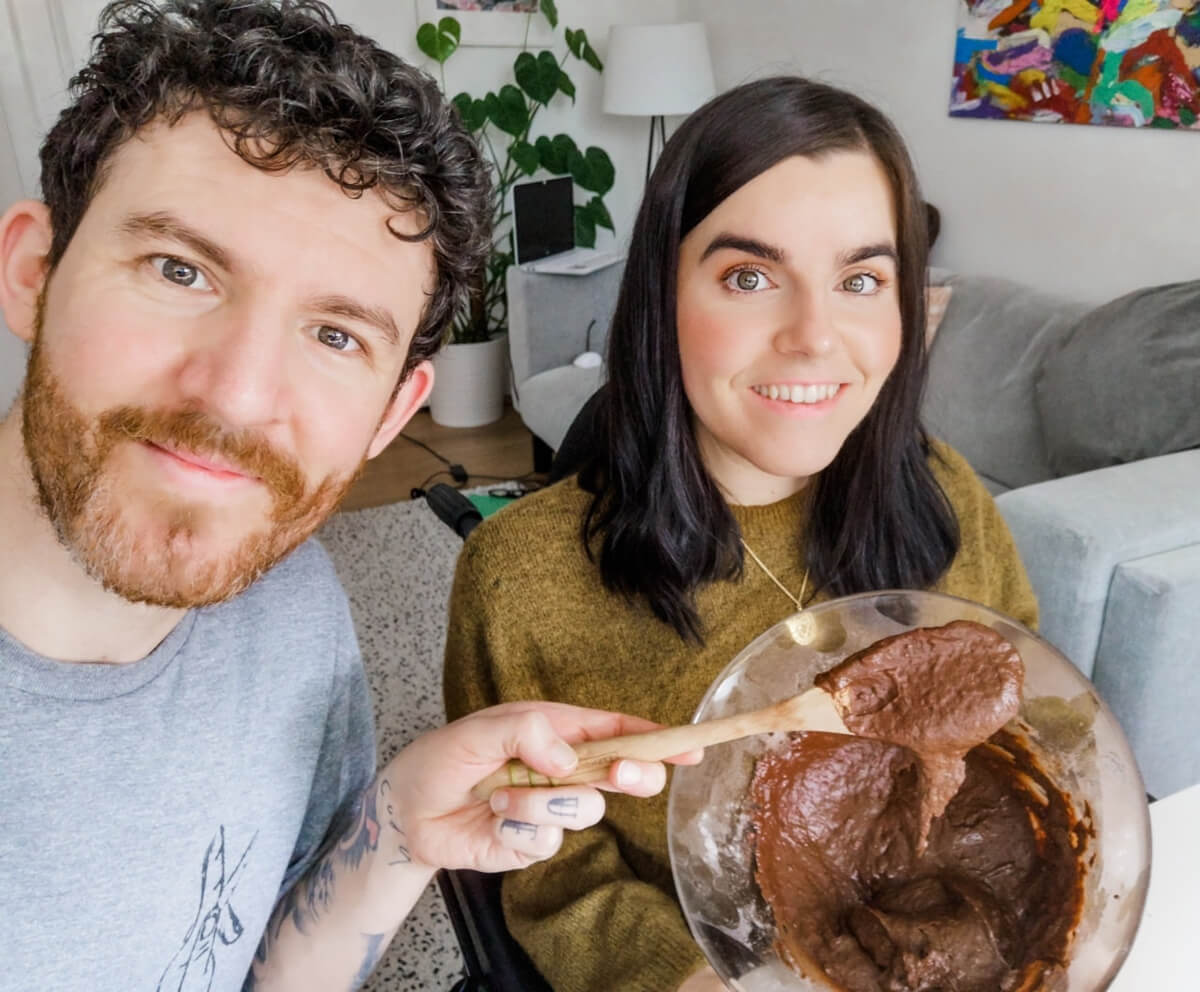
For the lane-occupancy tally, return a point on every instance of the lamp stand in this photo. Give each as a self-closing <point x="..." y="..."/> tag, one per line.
<point x="659" y="123"/>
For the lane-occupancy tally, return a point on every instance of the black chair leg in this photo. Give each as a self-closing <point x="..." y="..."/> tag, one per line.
<point x="543" y="455"/>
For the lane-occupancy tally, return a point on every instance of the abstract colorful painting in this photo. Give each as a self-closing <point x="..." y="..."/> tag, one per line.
<point x="500" y="6"/>
<point x="1132" y="63"/>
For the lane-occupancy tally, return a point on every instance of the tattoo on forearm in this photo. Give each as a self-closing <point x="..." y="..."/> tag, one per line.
<point x="363" y="836"/>
<point x="401" y="854"/>
<point x="375" y="949"/>
<point x="565" y="806"/>
<point x="312" y="895"/>
<point x="519" y="828"/>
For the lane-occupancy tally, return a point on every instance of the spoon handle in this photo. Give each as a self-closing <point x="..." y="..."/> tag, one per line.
<point x="811" y="710"/>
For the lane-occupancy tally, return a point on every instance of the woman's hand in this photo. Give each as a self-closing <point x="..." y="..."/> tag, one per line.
<point x="425" y="791"/>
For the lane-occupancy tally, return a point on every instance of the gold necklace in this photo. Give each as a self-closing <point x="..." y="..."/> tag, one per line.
<point x="797" y="600"/>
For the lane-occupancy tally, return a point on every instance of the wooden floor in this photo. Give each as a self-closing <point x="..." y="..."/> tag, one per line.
<point x="503" y="450"/>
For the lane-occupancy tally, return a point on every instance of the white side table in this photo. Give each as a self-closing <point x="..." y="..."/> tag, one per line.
<point x="1163" y="956"/>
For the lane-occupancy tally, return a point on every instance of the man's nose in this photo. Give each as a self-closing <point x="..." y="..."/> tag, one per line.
<point x="235" y="368"/>
<point x="807" y="327"/>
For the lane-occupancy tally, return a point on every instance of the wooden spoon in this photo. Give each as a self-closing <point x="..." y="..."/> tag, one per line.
<point x="811" y="710"/>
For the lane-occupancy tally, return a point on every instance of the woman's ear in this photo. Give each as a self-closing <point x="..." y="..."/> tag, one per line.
<point x="413" y="391"/>
<point x="25" y="237"/>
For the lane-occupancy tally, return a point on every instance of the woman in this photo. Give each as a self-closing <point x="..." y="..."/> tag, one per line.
<point x="759" y="450"/>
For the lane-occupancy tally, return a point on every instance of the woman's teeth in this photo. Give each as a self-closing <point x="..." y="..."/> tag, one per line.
<point x="798" y="394"/>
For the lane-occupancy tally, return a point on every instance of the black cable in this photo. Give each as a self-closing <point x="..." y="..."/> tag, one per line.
<point x="456" y="471"/>
<point x="422" y="444"/>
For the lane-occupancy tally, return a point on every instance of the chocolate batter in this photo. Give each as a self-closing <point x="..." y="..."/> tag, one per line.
<point x="869" y="888"/>
<point x="938" y="691"/>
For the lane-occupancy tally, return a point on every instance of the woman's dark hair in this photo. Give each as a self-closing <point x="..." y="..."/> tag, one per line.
<point x="878" y="517"/>
<point x="290" y="86"/>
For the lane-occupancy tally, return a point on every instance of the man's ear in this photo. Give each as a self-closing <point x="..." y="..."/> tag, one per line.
<point x="24" y="250"/>
<point x="412" y="393"/>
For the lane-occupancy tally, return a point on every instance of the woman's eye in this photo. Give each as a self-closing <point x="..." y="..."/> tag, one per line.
<point x="179" y="272"/>
<point x="747" y="281"/>
<point x="335" y="338"/>
<point x="861" y="283"/>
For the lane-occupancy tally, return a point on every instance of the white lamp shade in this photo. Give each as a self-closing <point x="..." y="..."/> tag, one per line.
<point x="657" y="69"/>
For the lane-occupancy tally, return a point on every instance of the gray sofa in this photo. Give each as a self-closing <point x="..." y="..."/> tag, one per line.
<point x="1063" y="409"/>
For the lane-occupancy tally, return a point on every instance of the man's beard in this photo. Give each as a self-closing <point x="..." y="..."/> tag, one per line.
<point x="159" y="563"/>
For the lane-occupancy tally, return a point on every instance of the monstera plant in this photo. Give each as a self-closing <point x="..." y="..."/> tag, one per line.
<point x="503" y="123"/>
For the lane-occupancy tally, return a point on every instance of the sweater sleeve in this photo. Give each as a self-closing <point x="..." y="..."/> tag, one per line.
<point x="988" y="567"/>
<point x="586" y="921"/>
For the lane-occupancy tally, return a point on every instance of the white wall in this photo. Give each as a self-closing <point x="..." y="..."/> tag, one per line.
<point x="1084" y="211"/>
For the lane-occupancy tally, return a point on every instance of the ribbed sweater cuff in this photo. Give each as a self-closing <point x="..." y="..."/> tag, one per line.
<point x="672" y="964"/>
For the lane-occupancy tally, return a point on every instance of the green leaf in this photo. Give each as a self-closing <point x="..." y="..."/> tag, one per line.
<point x="593" y="170"/>
<point x="585" y="229"/>
<point x="591" y="58"/>
<point x="439" y="41"/>
<point x="599" y="213"/>
<point x="577" y="45"/>
<point x="507" y="110"/>
<point x="526" y="157"/>
<point x="565" y="85"/>
<point x="550" y="9"/>
<point x="555" y="153"/>
<point x="537" y="76"/>
<point x="450" y="26"/>
<point x="473" y="113"/>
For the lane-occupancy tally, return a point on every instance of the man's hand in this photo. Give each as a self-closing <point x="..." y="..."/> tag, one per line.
<point x="425" y="791"/>
<point x="419" y="815"/>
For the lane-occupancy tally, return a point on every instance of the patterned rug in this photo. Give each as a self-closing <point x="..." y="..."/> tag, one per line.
<point x="397" y="563"/>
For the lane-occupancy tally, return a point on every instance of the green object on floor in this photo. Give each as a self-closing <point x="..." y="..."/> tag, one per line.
<point x="487" y="504"/>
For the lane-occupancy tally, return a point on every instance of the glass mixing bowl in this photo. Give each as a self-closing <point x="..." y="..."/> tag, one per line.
<point x="1072" y="732"/>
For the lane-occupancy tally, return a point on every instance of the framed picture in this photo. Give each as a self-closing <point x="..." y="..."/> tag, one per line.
<point x="1114" y="62"/>
<point x="491" y="23"/>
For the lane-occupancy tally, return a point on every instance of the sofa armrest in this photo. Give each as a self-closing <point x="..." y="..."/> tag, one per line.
<point x="1074" y="531"/>
<point x="549" y="316"/>
<point x="1146" y="665"/>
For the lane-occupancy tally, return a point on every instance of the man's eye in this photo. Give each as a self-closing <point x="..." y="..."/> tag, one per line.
<point x="747" y="280"/>
<point x="861" y="283"/>
<point x="335" y="338"/>
<point x="179" y="272"/>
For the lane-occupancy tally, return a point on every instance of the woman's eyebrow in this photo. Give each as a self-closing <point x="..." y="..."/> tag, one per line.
<point x="881" y="249"/>
<point x="752" y="246"/>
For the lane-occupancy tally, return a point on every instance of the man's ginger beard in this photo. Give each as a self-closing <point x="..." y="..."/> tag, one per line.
<point x="159" y="562"/>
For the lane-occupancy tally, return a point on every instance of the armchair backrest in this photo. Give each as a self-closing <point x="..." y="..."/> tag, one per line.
<point x="549" y="316"/>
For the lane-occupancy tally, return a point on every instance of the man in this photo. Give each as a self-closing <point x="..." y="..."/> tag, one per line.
<point x="256" y="226"/>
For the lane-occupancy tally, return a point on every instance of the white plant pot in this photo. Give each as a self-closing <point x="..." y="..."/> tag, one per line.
<point x="468" y="383"/>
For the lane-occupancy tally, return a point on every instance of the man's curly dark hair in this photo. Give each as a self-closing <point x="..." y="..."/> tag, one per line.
<point x="290" y="86"/>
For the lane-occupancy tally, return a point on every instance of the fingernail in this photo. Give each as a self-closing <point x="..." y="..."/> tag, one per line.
<point x="563" y="755"/>
<point x="499" y="801"/>
<point x="628" y="774"/>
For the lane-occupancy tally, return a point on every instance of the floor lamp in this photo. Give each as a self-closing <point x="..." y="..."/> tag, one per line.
<point x="657" y="71"/>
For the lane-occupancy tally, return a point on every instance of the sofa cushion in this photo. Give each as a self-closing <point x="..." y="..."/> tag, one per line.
<point x="981" y="375"/>
<point x="1124" y="384"/>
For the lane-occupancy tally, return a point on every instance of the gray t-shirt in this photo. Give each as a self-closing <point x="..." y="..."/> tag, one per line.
<point x="152" y="813"/>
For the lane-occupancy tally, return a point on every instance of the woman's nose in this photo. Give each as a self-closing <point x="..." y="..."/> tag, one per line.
<point x="806" y="329"/>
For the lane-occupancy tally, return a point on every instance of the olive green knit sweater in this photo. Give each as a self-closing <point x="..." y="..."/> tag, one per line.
<point x="529" y="619"/>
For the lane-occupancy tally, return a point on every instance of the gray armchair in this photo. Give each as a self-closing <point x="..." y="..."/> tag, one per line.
<point x="551" y="320"/>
